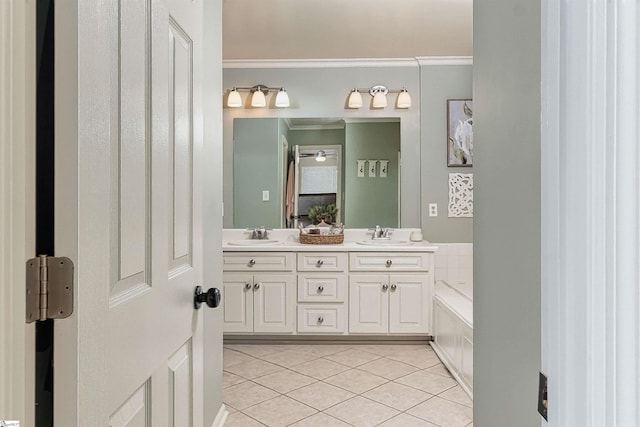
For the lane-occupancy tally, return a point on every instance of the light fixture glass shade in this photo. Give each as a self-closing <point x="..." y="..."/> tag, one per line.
<point x="258" y="99"/>
<point x="404" y="100"/>
<point x="379" y="100"/>
<point x="321" y="156"/>
<point x="234" y="100"/>
<point x="282" y="98"/>
<point x="355" y="99"/>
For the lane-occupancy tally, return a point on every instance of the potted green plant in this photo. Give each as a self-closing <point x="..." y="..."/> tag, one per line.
<point x="323" y="213"/>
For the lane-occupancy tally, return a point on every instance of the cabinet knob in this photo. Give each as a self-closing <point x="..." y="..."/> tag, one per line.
<point x="320" y="289"/>
<point x="247" y="286"/>
<point x="394" y="287"/>
<point x="320" y="319"/>
<point x="385" y="287"/>
<point x="252" y="262"/>
<point x="319" y="263"/>
<point x="388" y="263"/>
<point x="256" y="286"/>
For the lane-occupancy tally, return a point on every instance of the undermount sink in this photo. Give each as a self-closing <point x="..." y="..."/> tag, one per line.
<point x="384" y="242"/>
<point x="255" y="242"/>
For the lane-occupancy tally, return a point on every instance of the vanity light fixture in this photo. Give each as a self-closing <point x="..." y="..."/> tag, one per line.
<point x="321" y="156"/>
<point x="355" y="99"/>
<point x="379" y="94"/>
<point x="258" y="94"/>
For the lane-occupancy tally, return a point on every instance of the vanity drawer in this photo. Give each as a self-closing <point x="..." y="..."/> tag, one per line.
<point x="258" y="261"/>
<point x="379" y="261"/>
<point x="322" y="287"/>
<point x="322" y="261"/>
<point x="318" y="319"/>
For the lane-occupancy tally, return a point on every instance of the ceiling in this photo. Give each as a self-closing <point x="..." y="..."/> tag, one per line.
<point x="341" y="29"/>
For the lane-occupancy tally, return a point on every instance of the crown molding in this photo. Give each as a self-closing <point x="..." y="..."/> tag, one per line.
<point x="445" y="60"/>
<point x="320" y="63"/>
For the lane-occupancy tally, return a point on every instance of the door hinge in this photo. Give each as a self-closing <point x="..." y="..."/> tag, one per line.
<point x="49" y="288"/>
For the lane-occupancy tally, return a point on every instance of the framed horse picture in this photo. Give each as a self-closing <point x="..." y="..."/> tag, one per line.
<point x="460" y="132"/>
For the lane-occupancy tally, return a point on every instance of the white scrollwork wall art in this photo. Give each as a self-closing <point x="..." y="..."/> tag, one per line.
<point x="460" y="195"/>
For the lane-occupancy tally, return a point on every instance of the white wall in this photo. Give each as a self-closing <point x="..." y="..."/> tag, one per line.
<point x="506" y="227"/>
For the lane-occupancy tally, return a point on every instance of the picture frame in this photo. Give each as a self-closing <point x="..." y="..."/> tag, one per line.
<point x="459" y="132"/>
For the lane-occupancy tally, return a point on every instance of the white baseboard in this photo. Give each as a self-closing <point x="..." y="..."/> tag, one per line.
<point x="221" y="417"/>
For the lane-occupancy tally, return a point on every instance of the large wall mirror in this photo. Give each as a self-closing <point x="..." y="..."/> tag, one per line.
<point x="285" y="169"/>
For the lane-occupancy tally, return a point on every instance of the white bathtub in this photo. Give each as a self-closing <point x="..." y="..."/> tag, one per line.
<point x="453" y="329"/>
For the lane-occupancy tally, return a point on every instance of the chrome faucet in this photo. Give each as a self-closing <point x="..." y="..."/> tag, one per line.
<point x="260" y="233"/>
<point x="380" y="233"/>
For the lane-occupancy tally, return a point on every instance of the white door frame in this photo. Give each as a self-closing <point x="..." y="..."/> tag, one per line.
<point x="17" y="206"/>
<point x="590" y="212"/>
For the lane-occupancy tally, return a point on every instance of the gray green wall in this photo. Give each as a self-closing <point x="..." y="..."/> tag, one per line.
<point x="439" y="83"/>
<point x="371" y="201"/>
<point x="316" y="137"/>
<point x="506" y="86"/>
<point x="257" y="167"/>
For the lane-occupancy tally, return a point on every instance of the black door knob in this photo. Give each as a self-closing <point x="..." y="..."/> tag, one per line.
<point x="211" y="297"/>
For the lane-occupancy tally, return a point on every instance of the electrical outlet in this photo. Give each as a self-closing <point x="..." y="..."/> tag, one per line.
<point x="265" y="196"/>
<point x="433" y="209"/>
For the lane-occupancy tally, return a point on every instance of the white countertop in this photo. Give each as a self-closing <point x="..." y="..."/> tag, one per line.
<point x="287" y="240"/>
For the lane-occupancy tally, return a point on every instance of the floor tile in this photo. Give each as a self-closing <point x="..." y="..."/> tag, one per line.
<point x="229" y="379"/>
<point x="255" y="350"/>
<point x="246" y="394"/>
<point x="320" y="395"/>
<point x="397" y="396"/>
<point x="406" y="420"/>
<point x="388" y="368"/>
<point x="321" y="420"/>
<point x="320" y="368"/>
<point x="353" y="357"/>
<point x="284" y="381"/>
<point x="289" y="358"/>
<point x="232" y="357"/>
<point x="386" y="349"/>
<point x="253" y="369"/>
<point x="426" y="381"/>
<point x="239" y="419"/>
<point x="443" y="413"/>
<point x="440" y="370"/>
<point x="356" y="381"/>
<point x="362" y="412"/>
<point x="280" y="411"/>
<point x="458" y="395"/>
<point x="423" y="358"/>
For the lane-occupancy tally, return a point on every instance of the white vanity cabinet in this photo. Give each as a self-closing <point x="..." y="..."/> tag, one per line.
<point x="396" y="303"/>
<point x="322" y="292"/>
<point x="256" y="298"/>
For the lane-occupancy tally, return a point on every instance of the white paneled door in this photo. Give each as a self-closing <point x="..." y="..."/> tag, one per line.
<point x="128" y="211"/>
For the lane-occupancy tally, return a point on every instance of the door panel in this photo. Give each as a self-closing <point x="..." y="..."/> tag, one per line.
<point x="408" y="304"/>
<point x="368" y="303"/>
<point x="274" y="303"/>
<point x="181" y="134"/>
<point x="237" y="302"/>
<point x="129" y="353"/>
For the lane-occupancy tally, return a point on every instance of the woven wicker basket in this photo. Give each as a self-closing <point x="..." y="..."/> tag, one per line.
<point x="319" y="239"/>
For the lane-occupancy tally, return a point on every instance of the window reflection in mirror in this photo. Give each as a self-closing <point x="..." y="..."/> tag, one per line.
<point x="264" y="153"/>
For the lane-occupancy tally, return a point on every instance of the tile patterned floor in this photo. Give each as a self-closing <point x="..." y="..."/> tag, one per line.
<point x="341" y="385"/>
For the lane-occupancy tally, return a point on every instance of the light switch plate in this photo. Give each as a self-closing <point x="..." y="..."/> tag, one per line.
<point x="265" y="195"/>
<point x="361" y="168"/>
<point x="433" y="209"/>
<point x="384" y="168"/>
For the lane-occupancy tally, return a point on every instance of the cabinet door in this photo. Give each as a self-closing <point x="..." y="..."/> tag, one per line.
<point x="408" y="304"/>
<point x="369" y="303"/>
<point x="274" y="302"/>
<point x="237" y="302"/>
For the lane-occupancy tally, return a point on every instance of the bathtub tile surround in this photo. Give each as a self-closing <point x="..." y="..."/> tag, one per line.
<point x="454" y="262"/>
<point x="352" y="394"/>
